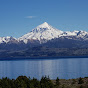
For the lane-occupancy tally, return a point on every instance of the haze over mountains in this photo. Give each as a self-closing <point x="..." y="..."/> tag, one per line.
<point x="45" y="40"/>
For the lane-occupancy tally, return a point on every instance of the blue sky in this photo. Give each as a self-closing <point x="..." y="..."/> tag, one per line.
<point x="18" y="17"/>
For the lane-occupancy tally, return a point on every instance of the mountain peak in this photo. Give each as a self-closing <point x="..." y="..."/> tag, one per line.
<point x="44" y="25"/>
<point x="43" y="33"/>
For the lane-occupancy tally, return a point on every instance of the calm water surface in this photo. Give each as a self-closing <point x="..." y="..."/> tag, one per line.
<point x="62" y="68"/>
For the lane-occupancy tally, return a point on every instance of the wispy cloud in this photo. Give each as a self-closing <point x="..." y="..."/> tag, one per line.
<point x="30" y="17"/>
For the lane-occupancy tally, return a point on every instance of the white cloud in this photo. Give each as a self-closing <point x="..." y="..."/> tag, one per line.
<point x="30" y="17"/>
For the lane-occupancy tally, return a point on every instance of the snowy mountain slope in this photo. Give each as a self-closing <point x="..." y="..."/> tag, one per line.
<point x="7" y="39"/>
<point x="45" y="32"/>
<point x="42" y="32"/>
<point x="77" y="34"/>
<point x="48" y="41"/>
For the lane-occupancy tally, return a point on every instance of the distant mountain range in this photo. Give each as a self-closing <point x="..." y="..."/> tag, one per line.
<point x="45" y="40"/>
<point x="43" y="33"/>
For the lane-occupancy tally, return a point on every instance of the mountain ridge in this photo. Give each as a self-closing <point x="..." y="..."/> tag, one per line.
<point x="45" y="41"/>
<point x="43" y="33"/>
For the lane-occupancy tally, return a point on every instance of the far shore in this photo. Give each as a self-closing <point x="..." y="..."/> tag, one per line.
<point x="37" y="58"/>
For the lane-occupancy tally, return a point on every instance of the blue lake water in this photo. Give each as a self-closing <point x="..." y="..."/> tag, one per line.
<point x="62" y="68"/>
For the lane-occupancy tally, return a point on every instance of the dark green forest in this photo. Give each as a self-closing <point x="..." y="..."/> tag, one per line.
<point x="44" y="82"/>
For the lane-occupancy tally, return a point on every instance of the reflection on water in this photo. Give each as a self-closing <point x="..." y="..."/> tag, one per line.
<point x="62" y="68"/>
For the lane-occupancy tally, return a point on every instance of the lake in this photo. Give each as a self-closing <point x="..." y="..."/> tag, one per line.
<point x="64" y="68"/>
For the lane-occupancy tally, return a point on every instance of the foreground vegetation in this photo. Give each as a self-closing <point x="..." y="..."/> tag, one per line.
<point x="45" y="82"/>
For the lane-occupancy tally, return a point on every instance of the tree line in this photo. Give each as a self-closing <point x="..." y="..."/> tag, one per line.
<point x="44" y="82"/>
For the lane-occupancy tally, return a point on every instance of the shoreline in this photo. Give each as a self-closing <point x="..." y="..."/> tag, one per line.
<point x="43" y="58"/>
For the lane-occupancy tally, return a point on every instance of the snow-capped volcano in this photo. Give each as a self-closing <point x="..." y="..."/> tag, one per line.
<point x="42" y="32"/>
<point x="45" y="32"/>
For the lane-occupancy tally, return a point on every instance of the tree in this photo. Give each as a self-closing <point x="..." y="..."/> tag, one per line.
<point x="34" y="83"/>
<point x="80" y="81"/>
<point x="46" y="83"/>
<point x="57" y="82"/>
<point x="22" y="82"/>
